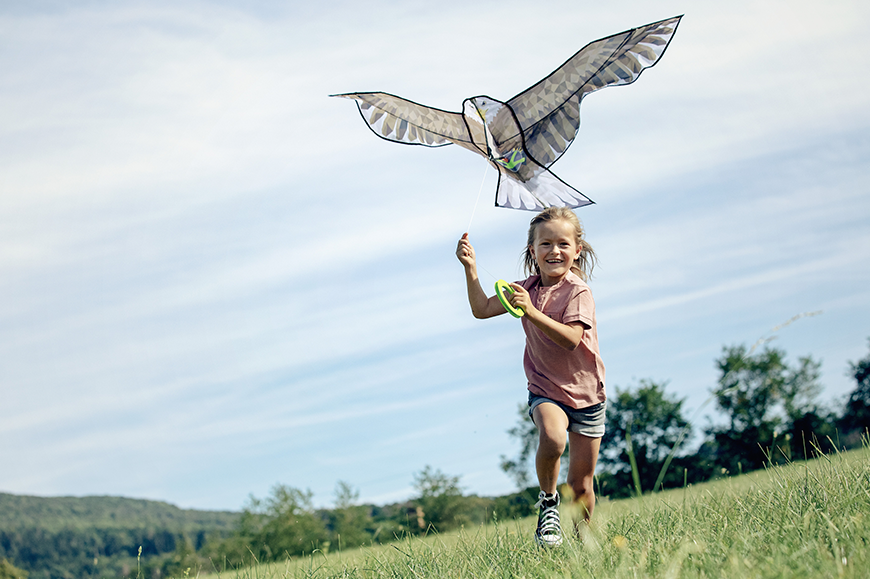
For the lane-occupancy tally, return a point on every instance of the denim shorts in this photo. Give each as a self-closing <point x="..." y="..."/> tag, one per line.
<point x="587" y="421"/>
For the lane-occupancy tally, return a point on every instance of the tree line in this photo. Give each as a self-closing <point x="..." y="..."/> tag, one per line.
<point x="76" y="537"/>
<point x="768" y="411"/>
<point x="286" y="524"/>
<point x="113" y="537"/>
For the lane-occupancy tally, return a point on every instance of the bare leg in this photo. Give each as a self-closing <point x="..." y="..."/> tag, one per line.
<point x="552" y="426"/>
<point x="552" y="423"/>
<point x="583" y="452"/>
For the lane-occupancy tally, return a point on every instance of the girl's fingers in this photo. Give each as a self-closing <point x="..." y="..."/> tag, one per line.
<point x="518" y="289"/>
<point x="465" y="252"/>
<point x="520" y="298"/>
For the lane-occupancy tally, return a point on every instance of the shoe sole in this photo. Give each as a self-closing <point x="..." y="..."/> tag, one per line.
<point x="548" y="544"/>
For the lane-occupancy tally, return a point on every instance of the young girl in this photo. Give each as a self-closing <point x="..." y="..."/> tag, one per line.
<point x="564" y="369"/>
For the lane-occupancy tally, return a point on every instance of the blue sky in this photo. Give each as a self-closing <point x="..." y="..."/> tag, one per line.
<point x="213" y="278"/>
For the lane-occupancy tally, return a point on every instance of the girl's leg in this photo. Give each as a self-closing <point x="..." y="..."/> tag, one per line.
<point x="552" y="423"/>
<point x="583" y="453"/>
<point x="552" y="426"/>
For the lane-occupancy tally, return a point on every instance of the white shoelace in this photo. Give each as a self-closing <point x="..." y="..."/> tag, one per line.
<point x="548" y="521"/>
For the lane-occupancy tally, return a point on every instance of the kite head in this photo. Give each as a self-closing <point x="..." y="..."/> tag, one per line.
<point x="486" y="107"/>
<point x="498" y="122"/>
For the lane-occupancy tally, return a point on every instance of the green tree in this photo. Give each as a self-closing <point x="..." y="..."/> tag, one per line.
<point x="856" y="415"/>
<point x="655" y="423"/>
<point x="517" y="505"/>
<point x="440" y="497"/>
<point x="10" y="571"/>
<point x="284" y="524"/>
<point x="226" y="553"/>
<point x="762" y="397"/>
<point x="348" y="522"/>
<point x="183" y="561"/>
<point x="812" y="433"/>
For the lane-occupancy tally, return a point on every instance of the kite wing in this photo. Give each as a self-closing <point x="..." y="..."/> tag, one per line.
<point x="396" y="119"/>
<point x="525" y="136"/>
<point x="549" y="112"/>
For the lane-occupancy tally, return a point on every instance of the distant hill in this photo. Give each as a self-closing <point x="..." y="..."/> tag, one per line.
<point x="52" y="513"/>
<point x="65" y="537"/>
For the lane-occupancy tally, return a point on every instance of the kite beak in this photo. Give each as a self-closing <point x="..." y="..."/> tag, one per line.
<point x="480" y="113"/>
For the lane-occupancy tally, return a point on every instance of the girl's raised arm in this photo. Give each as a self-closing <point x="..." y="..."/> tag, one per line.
<point x="481" y="305"/>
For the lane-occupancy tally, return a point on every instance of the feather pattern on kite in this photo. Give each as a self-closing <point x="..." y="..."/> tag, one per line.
<point x="524" y="136"/>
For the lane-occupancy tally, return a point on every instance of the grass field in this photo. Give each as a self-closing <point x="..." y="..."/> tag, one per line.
<point x="807" y="519"/>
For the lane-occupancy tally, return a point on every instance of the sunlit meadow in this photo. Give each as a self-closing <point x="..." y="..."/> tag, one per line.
<point x="807" y="519"/>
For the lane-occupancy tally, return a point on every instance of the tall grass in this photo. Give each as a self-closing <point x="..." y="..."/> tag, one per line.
<point x="809" y="519"/>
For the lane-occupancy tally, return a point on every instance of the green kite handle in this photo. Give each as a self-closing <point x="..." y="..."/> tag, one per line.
<point x="502" y="286"/>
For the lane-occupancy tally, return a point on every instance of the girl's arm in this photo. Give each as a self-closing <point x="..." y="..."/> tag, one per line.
<point x="567" y="336"/>
<point x="481" y="306"/>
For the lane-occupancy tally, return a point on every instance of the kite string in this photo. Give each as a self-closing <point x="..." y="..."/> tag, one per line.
<point x="474" y="209"/>
<point x="476" y="201"/>
<point x="487" y="271"/>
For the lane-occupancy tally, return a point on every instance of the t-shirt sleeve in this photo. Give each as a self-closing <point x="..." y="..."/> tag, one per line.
<point x="581" y="308"/>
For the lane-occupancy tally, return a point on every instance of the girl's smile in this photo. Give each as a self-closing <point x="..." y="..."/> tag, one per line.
<point x="555" y="249"/>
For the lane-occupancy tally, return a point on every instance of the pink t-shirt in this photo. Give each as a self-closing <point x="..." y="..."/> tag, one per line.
<point x="574" y="378"/>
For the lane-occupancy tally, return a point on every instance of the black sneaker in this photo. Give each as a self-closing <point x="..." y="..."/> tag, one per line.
<point x="549" y="532"/>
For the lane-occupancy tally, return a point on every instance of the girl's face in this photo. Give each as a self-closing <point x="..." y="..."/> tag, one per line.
<point x="555" y="249"/>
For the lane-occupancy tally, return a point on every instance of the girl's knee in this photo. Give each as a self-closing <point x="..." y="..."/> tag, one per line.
<point x="551" y="442"/>
<point x="581" y="486"/>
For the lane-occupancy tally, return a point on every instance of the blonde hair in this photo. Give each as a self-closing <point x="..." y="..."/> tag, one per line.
<point x="584" y="263"/>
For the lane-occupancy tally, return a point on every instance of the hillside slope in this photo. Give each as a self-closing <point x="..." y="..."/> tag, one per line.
<point x="60" y="537"/>
<point x="806" y="519"/>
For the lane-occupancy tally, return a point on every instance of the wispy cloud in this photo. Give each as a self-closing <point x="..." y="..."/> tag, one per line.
<point x="215" y="275"/>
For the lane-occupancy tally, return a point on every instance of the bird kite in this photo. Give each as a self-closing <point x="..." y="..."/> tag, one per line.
<point x="524" y="136"/>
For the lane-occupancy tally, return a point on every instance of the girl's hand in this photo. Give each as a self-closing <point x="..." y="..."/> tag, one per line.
<point x="465" y="252"/>
<point x="521" y="298"/>
<point x="481" y="305"/>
